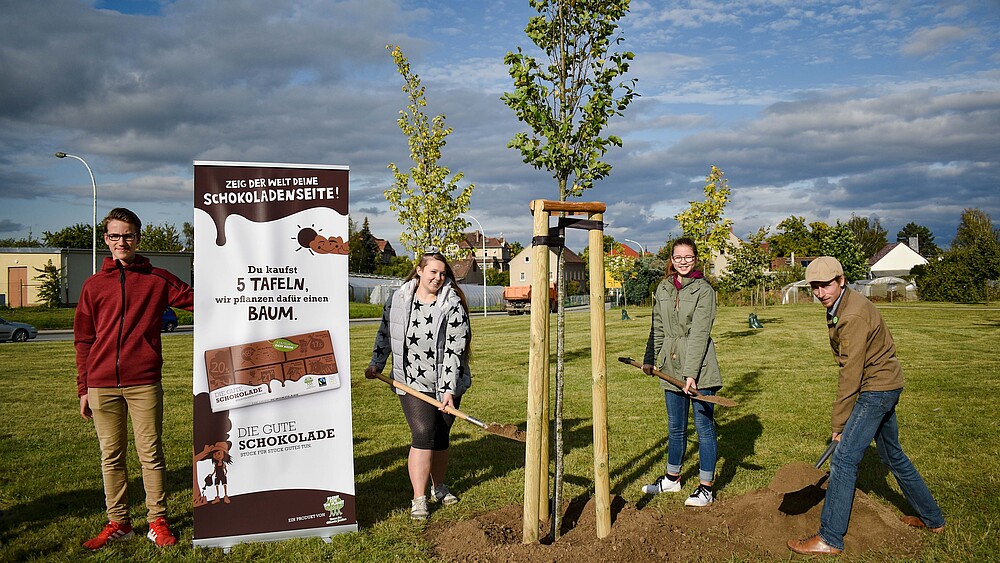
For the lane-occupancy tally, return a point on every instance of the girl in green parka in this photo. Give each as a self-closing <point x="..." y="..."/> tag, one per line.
<point x="680" y="344"/>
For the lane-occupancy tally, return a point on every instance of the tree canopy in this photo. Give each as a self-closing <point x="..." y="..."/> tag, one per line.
<point x="160" y="238"/>
<point x="430" y="207"/>
<point x="925" y="239"/>
<point x="80" y="235"/>
<point x="363" y="250"/>
<point x="840" y="243"/>
<point x="869" y="233"/>
<point x="794" y="236"/>
<point x="703" y="221"/>
<point x="568" y="100"/>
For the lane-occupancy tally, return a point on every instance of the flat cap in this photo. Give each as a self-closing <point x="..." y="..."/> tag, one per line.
<point x="823" y="269"/>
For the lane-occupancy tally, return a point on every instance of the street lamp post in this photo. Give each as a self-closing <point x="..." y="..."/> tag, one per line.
<point x="483" y="234"/>
<point x="93" y="251"/>
<point x="642" y="251"/>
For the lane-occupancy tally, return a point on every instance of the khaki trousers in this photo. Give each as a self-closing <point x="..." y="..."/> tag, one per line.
<point x="112" y="406"/>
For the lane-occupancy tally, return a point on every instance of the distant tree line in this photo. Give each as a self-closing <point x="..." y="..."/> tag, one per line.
<point x="155" y="238"/>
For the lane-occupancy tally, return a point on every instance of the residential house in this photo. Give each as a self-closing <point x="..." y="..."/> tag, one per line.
<point x="609" y="281"/>
<point x="719" y="265"/>
<point x="385" y="251"/>
<point x="496" y="251"/>
<point x="521" y="267"/>
<point x="894" y="259"/>
<point x="467" y="271"/>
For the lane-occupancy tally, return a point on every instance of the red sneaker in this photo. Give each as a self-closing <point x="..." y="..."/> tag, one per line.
<point x="114" y="531"/>
<point x="159" y="533"/>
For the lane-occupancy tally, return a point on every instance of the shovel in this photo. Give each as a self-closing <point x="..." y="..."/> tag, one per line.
<point x="505" y="430"/>
<point x="798" y="476"/>
<point x="715" y="399"/>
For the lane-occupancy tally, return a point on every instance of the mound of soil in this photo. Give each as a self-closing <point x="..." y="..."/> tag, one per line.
<point x="753" y="526"/>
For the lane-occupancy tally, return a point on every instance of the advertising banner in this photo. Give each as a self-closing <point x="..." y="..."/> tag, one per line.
<point x="273" y="454"/>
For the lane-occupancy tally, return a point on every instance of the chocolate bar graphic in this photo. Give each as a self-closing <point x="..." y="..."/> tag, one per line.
<point x="281" y="359"/>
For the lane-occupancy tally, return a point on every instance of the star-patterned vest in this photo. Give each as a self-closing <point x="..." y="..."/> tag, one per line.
<point x="398" y="309"/>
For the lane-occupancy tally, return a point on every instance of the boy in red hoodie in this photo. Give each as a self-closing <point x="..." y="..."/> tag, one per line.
<point x="116" y="331"/>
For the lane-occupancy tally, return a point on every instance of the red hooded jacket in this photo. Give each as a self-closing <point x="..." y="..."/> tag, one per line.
<point x="116" y="329"/>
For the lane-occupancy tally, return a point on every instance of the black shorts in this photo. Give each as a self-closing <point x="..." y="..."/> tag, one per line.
<point x="429" y="427"/>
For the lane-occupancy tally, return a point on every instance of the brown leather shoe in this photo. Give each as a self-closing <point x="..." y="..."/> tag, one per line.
<point x="916" y="522"/>
<point x="812" y="545"/>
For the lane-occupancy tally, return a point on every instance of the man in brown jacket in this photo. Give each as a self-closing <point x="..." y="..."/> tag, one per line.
<point x="868" y="389"/>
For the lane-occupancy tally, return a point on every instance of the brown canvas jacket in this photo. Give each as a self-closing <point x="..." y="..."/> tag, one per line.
<point x="865" y="353"/>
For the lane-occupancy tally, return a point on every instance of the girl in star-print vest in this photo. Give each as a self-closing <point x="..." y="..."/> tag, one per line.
<point x="425" y="329"/>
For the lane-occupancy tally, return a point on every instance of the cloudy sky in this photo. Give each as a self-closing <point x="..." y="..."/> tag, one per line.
<point x="813" y="108"/>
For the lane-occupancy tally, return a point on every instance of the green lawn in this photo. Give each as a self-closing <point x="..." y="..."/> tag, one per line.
<point x="784" y="377"/>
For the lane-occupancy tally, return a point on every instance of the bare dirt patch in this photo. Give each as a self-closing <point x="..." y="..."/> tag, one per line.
<point x="753" y="526"/>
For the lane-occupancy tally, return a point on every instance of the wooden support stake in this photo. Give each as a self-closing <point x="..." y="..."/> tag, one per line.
<point x="538" y="360"/>
<point x="599" y="389"/>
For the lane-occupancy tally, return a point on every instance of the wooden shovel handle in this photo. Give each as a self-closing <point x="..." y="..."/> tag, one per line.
<point x="429" y="400"/>
<point x="697" y="395"/>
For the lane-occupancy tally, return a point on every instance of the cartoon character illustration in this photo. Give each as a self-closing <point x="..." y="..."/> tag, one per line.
<point x="212" y="435"/>
<point x="220" y="459"/>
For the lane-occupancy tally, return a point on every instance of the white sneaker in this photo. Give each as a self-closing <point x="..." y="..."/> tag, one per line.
<point x="662" y="485"/>
<point x="702" y="496"/>
<point x="441" y="494"/>
<point x="418" y="508"/>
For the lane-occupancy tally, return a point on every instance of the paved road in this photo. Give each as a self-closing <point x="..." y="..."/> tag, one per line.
<point x="58" y="335"/>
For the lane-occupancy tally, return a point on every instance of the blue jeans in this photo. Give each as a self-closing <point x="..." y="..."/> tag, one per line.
<point x="873" y="417"/>
<point x="704" y="424"/>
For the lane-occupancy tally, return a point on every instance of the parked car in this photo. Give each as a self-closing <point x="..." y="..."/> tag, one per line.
<point x="16" y="332"/>
<point x="169" y="320"/>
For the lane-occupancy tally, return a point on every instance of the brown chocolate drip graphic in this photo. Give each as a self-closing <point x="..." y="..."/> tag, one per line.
<point x="262" y="194"/>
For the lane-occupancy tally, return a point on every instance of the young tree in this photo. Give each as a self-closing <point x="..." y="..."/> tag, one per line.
<point x="567" y="102"/>
<point x="620" y="266"/>
<point x="429" y="208"/>
<point x="703" y="221"/>
<point x="925" y="239"/>
<point x="841" y="244"/>
<point x="49" y="290"/>
<point x="161" y="238"/>
<point x="870" y="234"/>
<point x="748" y="264"/>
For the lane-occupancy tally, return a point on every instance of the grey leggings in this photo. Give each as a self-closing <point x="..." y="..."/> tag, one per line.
<point x="429" y="427"/>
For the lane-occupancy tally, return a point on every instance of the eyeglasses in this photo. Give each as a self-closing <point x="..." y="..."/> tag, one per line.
<point x="127" y="237"/>
<point x="684" y="259"/>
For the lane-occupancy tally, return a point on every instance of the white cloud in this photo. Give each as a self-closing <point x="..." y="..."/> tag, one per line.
<point x="928" y="41"/>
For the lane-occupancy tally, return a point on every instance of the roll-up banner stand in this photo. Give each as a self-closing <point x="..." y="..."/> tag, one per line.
<point x="273" y="454"/>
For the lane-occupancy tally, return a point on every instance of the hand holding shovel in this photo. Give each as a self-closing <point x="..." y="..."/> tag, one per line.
<point x="505" y="430"/>
<point x="715" y="399"/>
